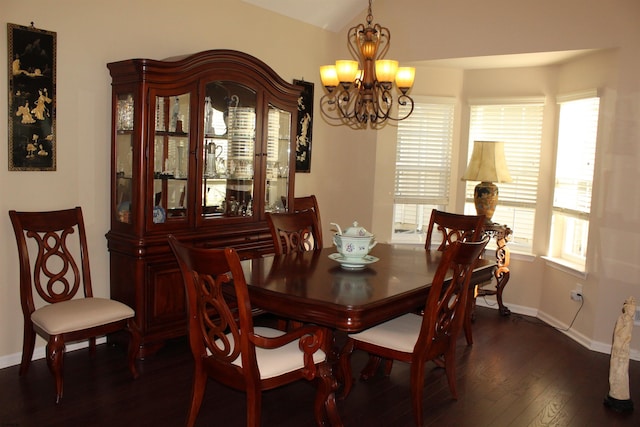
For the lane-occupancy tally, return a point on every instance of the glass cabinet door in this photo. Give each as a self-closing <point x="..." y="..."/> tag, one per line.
<point x="228" y="155"/>
<point x="278" y="154"/>
<point x="170" y="158"/>
<point x="124" y="156"/>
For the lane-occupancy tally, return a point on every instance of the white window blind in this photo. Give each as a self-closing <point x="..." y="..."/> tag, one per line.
<point x="423" y="154"/>
<point x="517" y="123"/>
<point x="423" y="162"/>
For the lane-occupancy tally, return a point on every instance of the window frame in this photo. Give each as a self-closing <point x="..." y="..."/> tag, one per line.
<point x="562" y="234"/>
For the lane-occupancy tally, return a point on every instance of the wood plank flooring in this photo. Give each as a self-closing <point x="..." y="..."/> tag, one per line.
<point x="519" y="373"/>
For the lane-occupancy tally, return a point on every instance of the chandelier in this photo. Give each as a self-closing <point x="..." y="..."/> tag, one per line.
<point x="358" y="93"/>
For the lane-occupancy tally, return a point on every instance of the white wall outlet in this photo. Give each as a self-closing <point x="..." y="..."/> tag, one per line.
<point x="576" y="293"/>
<point x="636" y="318"/>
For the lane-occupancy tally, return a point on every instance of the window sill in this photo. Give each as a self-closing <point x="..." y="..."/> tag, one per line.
<point x="566" y="266"/>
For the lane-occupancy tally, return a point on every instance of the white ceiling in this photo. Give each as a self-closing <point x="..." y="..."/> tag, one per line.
<point x="333" y="15"/>
<point x="537" y="59"/>
<point x="330" y="15"/>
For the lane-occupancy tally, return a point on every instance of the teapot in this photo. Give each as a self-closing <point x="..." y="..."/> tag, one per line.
<point x="355" y="242"/>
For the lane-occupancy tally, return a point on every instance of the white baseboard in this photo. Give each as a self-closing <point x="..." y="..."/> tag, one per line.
<point x="39" y="352"/>
<point x="581" y="339"/>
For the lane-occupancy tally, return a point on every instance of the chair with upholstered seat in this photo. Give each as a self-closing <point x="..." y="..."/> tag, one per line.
<point x="309" y="203"/>
<point x="417" y="339"/>
<point x="295" y="231"/>
<point x="228" y="348"/>
<point x="54" y="264"/>
<point x="451" y="227"/>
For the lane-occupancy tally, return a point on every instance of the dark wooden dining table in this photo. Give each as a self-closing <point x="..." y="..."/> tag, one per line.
<point x="310" y="287"/>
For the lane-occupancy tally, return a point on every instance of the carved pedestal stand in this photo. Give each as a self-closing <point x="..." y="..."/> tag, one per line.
<point x="502" y="234"/>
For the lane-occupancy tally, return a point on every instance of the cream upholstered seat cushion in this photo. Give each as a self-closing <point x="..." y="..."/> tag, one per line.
<point x="398" y="334"/>
<point x="82" y="313"/>
<point x="278" y="361"/>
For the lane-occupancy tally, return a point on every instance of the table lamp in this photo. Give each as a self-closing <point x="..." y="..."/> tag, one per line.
<point x="487" y="165"/>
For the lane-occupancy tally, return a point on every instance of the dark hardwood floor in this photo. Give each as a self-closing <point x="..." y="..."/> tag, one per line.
<point x="519" y="372"/>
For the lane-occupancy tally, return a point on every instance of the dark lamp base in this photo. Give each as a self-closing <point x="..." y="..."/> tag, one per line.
<point x="618" y="405"/>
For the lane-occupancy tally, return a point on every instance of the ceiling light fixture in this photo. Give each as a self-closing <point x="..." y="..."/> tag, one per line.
<point x="359" y="92"/>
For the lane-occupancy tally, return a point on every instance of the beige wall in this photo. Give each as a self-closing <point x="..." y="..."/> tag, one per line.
<point x="345" y="172"/>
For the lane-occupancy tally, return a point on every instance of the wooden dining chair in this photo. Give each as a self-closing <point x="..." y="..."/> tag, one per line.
<point x="417" y="339"/>
<point x="451" y="227"/>
<point x="309" y="203"/>
<point x="54" y="264"/>
<point x="228" y="348"/>
<point x="294" y="232"/>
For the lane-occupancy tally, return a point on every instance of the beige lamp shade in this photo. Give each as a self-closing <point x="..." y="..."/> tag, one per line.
<point x="487" y="163"/>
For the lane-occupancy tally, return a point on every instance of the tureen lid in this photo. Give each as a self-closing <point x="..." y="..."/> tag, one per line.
<point x="356" y="230"/>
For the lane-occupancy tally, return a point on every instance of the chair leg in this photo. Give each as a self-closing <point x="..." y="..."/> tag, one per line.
<point x="197" y="394"/>
<point x="450" y="370"/>
<point x="371" y="368"/>
<point x="254" y="407"/>
<point x="55" y="360"/>
<point x="471" y="302"/>
<point x="417" y="388"/>
<point x="92" y="346"/>
<point x="134" y="347"/>
<point x="28" y="344"/>
<point x="345" y="368"/>
<point x="388" y="364"/>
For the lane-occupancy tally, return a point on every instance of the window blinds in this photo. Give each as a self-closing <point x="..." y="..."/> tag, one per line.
<point x="423" y="153"/>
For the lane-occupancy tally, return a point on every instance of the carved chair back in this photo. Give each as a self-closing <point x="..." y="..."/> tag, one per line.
<point x="306" y="203"/>
<point x="294" y="232"/>
<point x="452" y="227"/>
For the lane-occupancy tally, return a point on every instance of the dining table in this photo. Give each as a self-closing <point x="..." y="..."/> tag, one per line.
<point x="317" y="287"/>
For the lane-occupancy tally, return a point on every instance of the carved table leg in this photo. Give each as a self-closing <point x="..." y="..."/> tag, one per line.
<point x="326" y="409"/>
<point x="329" y="386"/>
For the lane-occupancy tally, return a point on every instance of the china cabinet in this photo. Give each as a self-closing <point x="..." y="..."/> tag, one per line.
<point x="202" y="148"/>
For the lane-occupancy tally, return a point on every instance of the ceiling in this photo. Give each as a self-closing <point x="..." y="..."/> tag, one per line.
<point x="334" y="15"/>
<point x="330" y="15"/>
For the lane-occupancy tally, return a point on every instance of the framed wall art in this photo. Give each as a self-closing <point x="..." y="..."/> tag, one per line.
<point x="305" y="127"/>
<point x="32" y="98"/>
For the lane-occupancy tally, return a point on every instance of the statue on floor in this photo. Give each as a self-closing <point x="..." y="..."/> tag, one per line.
<point x="619" y="398"/>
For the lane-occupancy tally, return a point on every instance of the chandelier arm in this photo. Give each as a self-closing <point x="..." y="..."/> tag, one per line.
<point x="352" y="41"/>
<point x="403" y="100"/>
<point x="383" y="102"/>
<point x="384" y="41"/>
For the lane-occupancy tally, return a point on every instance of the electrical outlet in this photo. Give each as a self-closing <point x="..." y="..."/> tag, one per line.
<point x="636" y="318"/>
<point x="575" y="295"/>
